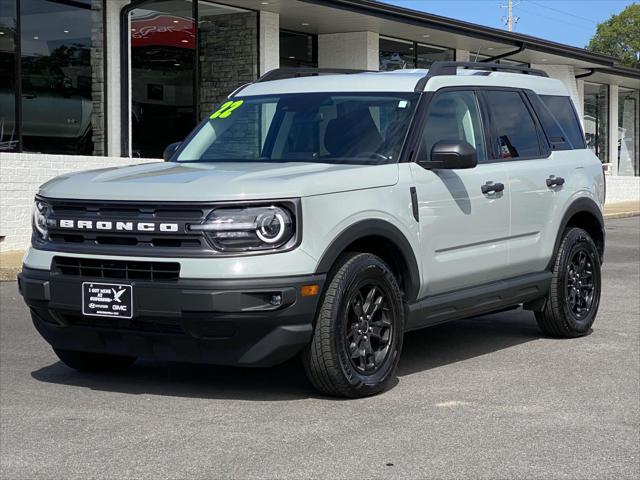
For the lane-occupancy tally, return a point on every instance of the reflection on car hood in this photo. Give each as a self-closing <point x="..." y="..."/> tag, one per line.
<point x="217" y="181"/>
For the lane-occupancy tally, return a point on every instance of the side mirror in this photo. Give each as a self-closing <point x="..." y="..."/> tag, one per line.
<point x="452" y="155"/>
<point x="170" y="150"/>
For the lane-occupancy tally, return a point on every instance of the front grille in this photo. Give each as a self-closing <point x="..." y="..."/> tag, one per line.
<point x="116" y="269"/>
<point x="182" y="242"/>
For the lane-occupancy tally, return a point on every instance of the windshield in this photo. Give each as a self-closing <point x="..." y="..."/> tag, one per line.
<point x="305" y="127"/>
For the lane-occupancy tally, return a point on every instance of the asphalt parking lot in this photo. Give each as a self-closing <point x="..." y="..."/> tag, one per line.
<point x="482" y="398"/>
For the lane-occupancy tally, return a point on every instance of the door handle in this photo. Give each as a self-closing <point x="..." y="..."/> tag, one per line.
<point x="491" y="187"/>
<point x="554" y="181"/>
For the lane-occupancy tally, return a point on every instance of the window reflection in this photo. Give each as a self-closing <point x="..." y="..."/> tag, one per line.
<point x="398" y="54"/>
<point x="628" y="132"/>
<point x="56" y="79"/>
<point x="8" y="132"/>
<point x="596" y="119"/>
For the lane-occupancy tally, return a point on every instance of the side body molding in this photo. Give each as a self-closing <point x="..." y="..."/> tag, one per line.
<point x="382" y="229"/>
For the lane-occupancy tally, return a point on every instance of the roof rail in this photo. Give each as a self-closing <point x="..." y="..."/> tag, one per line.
<point x="294" y="72"/>
<point x="451" y="68"/>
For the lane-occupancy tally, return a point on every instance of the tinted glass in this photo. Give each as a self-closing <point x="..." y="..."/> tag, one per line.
<point x="396" y="54"/>
<point x="629" y="131"/>
<point x="298" y="49"/>
<point x="454" y="116"/>
<point x="318" y="127"/>
<point x="8" y="133"/>
<point x="596" y="119"/>
<point x="426" y="55"/>
<point x="562" y="109"/>
<point x="57" y="103"/>
<point x="515" y="129"/>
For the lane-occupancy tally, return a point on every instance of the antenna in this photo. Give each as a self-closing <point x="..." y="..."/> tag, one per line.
<point x="510" y="20"/>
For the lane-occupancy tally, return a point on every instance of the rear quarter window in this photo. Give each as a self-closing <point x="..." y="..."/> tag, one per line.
<point x="565" y="114"/>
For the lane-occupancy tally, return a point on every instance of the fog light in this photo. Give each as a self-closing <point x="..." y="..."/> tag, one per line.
<point x="276" y="300"/>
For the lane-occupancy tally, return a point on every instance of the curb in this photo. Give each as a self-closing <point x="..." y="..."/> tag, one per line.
<point x="9" y="274"/>
<point x="610" y="216"/>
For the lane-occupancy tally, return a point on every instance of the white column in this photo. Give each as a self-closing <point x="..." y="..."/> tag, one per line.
<point x="269" y="41"/>
<point x="113" y="83"/>
<point x="463" y="55"/>
<point x="613" y="128"/>
<point x="357" y="50"/>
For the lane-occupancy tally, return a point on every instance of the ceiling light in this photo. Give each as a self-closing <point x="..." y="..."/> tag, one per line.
<point x="305" y="24"/>
<point x="1" y="33"/>
<point x="176" y="64"/>
<point x="264" y="3"/>
<point x="66" y="31"/>
<point x="36" y="38"/>
<point x="184" y="41"/>
<point x="544" y="59"/>
<point x="292" y="56"/>
<point x="426" y="35"/>
<point x="490" y="48"/>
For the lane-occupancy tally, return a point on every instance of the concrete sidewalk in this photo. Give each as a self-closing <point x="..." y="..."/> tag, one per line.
<point x="10" y="262"/>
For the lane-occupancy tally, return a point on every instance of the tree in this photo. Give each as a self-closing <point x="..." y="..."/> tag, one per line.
<point x="620" y="36"/>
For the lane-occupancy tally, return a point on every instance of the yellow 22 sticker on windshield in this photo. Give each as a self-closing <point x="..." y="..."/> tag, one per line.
<point x="226" y="109"/>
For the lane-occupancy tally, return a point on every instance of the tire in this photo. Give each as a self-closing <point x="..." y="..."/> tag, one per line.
<point x="94" y="362"/>
<point x="355" y="350"/>
<point x="574" y="295"/>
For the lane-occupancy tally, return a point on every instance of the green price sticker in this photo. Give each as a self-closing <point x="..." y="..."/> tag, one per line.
<point x="226" y="109"/>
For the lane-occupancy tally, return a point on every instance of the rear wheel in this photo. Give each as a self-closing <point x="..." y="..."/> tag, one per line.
<point x="574" y="295"/>
<point x="94" y="362"/>
<point x="359" y="329"/>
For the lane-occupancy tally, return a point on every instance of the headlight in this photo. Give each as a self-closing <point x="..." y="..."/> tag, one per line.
<point x="39" y="220"/>
<point x="251" y="228"/>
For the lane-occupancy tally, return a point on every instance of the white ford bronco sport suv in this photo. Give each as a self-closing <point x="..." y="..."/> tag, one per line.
<point x="326" y="213"/>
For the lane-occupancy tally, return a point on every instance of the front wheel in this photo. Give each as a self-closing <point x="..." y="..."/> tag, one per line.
<point x="359" y="329"/>
<point x="574" y="295"/>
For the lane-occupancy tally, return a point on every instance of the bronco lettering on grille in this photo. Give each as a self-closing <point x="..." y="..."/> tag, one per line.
<point x="106" y="225"/>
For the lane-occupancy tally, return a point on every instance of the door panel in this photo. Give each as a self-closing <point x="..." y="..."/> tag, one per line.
<point x="463" y="232"/>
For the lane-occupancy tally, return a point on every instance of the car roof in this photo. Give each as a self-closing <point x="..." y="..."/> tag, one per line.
<point x="403" y="81"/>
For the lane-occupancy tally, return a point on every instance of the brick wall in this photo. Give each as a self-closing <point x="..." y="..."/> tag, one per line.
<point x="228" y="55"/>
<point x="20" y="177"/>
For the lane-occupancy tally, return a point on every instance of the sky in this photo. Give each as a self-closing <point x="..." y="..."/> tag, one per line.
<point x="572" y="22"/>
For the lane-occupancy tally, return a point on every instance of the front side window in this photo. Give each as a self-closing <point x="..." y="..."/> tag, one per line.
<point x="454" y="116"/>
<point x="514" y="127"/>
<point x="305" y="127"/>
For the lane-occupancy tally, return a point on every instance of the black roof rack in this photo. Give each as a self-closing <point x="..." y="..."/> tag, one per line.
<point x="451" y="68"/>
<point x="295" y="72"/>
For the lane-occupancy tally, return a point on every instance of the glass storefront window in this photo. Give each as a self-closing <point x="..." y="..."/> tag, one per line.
<point x="57" y="104"/>
<point x="162" y="75"/>
<point x="427" y="54"/>
<point x="171" y="88"/>
<point x="298" y="49"/>
<point x="596" y="119"/>
<point x="396" y="54"/>
<point x="628" y="132"/>
<point x="8" y="131"/>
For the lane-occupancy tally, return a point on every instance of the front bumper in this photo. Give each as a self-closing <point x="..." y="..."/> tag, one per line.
<point x="225" y="322"/>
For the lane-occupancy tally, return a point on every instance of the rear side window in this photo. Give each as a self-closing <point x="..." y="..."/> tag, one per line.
<point x="562" y="109"/>
<point x="513" y="126"/>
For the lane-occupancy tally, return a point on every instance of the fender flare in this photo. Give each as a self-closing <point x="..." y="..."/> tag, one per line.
<point x="378" y="228"/>
<point x="582" y="204"/>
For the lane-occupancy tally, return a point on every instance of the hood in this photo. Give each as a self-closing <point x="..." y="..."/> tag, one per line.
<point x="206" y="182"/>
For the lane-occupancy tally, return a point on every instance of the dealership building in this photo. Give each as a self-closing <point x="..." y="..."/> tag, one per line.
<point x="91" y="83"/>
